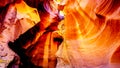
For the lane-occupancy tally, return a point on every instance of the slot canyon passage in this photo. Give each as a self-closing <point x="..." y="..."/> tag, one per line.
<point x="59" y="33"/>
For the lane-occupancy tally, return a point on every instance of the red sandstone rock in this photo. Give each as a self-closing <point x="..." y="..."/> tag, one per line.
<point x="16" y="23"/>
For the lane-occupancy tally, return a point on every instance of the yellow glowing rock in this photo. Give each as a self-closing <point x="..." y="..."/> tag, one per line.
<point x="24" y="11"/>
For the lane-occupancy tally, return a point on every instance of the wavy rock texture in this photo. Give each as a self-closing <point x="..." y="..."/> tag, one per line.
<point x="91" y="35"/>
